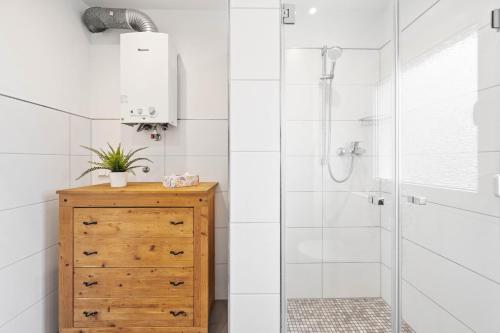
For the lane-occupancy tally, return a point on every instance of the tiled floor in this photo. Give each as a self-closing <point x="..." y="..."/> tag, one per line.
<point x="340" y="315"/>
<point x="218" y="318"/>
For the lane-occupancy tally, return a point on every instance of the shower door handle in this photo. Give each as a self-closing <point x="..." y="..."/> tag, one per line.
<point x="416" y="200"/>
<point x="375" y="200"/>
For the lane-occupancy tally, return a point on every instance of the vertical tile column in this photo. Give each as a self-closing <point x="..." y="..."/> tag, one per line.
<point x="255" y="166"/>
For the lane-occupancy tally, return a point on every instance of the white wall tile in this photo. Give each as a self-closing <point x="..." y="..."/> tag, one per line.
<point x="304" y="209"/>
<point x="104" y="61"/>
<point x="30" y="229"/>
<point x="156" y="170"/>
<point x="221" y="210"/>
<point x="386" y="284"/>
<point x="39" y="318"/>
<point x="302" y="102"/>
<point x="304" y="281"/>
<point x="304" y="245"/>
<point x="454" y="288"/>
<point x="351" y="244"/>
<point x="26" y="282"/>
<point x="209" y="168"/>
<point x="23" y="173"/>
<point x="221" y="245"/>
<point x="104" y="132"/>
<point x="431" y="29"/>
<point x="78" y="165"/>
<point x="350" y="209"/>
<point x="255" y="313"/>
<point x="197" y="137"/>
<point x="304" y="138"/>
<point x="445" y="230"/>
<point x="303" y="173"/>
<point x="28" y="128"/>
<point x="255" y="116"/>
<point x="351" y="280"/>
<point x="361" y="180"/>
<point x="355" y="67"/>
<point x="255" y="4"/>
<point x="411" y="10"/>
<point x="255" y="261"/>
<point x="488" y="52"/>
<point x="80" y="135"/>
<point x="386" y="247"/>
<point x="488" y="120"/>
<point x="45" y="66"/>
<point x="423" y="315"/>
<point x="255" y="187"/>
<point x="255" y="48"/>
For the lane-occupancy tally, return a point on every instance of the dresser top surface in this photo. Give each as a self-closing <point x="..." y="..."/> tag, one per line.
<point x="141" y="188"/>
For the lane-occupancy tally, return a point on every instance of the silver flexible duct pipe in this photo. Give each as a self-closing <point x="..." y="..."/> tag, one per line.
<point x="99" y="19"/>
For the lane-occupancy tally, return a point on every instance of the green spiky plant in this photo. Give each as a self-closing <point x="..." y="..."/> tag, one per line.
<point x="115" y="160"/>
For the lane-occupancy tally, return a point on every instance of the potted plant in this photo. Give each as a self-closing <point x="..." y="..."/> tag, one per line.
<point x="117" y="162"/>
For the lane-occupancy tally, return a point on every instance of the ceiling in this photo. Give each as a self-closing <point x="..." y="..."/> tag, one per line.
<point x="160" y="4"/>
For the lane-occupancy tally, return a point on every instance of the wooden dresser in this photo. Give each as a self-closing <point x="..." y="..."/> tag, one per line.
<point x="138" y="259"/>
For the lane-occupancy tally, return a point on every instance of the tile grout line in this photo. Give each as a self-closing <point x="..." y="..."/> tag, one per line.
<point x="28" y="307"/>
<point x="451" y="260"/>
<point x="27" y="205"/>
<point x="437" y="304"/>
<point x="28" y="256"/>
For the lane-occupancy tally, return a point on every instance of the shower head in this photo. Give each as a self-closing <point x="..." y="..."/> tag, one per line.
<point x="334" y="53"/>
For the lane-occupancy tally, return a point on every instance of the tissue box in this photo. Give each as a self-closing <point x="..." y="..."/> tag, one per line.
<point x="181" y="180"/>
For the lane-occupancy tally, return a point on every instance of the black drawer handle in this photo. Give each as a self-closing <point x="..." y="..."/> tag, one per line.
<point x="176" y="222"/>
<point x="89" y="222"/>
<point x="90" y="313"/>
<point x="89" y="284"/>
<point x="89" y="253"/>
<point x="176" y="253"/>
<point x="176" y="283"/>
<point x="178" y="313"/>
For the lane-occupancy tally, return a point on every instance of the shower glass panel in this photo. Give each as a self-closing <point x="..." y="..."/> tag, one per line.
<point x="338" y="167"/>
<point x="450" y="154"/>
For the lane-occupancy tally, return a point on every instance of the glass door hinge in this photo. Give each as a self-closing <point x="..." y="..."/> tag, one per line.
<point x="288" y="13"/>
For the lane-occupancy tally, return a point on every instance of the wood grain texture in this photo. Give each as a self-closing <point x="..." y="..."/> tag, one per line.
<point x="133" y="252"/>
<point x="133" y="222"/>
<point x="133" y="312"/>
<point x="133" y="282"/>
<point x="128" y="252"/>
<point x="65" y="267"/>
<point x="137" y="330"/>
<point x="141" y="188"/>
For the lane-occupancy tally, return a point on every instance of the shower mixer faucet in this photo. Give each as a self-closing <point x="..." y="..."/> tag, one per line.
<point x="354" y="149"/>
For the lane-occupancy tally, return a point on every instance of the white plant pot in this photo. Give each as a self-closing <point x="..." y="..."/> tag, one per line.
<point x="118" y="179"/>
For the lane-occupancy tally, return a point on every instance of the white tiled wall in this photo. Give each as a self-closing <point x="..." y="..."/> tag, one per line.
<point x="450" y="247"/>
<point x="332" y="230"/>
<point x="199" y="144"/>
<point x="255" y="166"/>
<point x="44" y="117"/>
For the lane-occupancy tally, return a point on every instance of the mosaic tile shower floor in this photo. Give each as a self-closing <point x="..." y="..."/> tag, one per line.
<point x="340" y="315"/>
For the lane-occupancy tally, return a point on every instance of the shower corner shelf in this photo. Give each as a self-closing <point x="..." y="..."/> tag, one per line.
<point x="371" y="120"/>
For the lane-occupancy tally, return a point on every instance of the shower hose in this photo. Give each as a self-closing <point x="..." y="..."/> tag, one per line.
<point x="328" y="86"/>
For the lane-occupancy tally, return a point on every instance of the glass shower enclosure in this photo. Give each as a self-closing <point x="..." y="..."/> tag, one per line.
<point x="390" y="143"/>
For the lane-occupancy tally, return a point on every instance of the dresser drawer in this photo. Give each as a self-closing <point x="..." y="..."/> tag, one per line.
<point x="133" y="222"/>
<point x="133" y="282"/>
<point x="133" y="252"/>
<point x="133" y="312"/>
